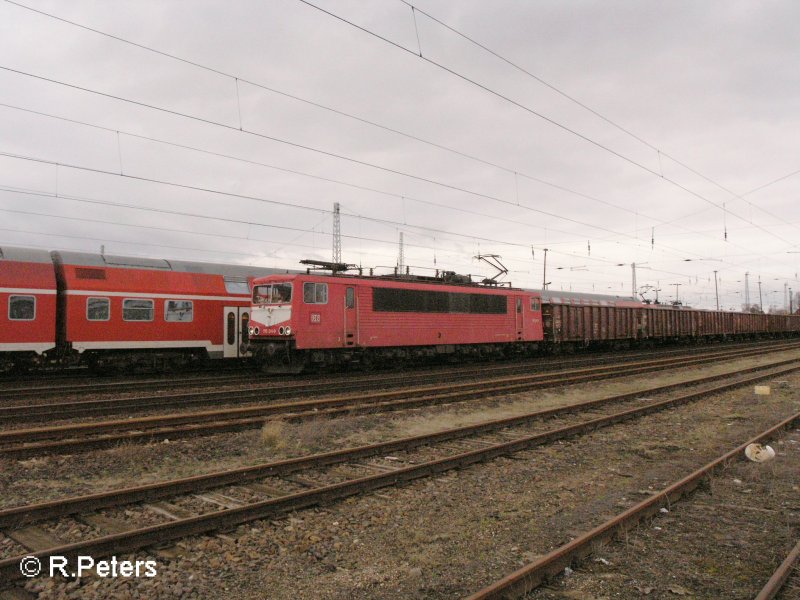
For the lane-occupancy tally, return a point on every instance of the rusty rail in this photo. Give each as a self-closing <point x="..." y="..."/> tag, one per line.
<point x="522" y="581"/>
<point x="135" y="539"/>
<point x="21" y="442"/>
<point x="780" y="576"/>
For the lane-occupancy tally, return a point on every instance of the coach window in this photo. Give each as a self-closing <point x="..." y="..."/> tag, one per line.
<point x="231" y="328"/>
<point x="137" y="309"/>
<point x="98" y="309"/>
<point x="350" y="298"/>
<point x="535" y="304"/>
<point x="179" y="310"/>
<point x="22" y="308"/>
<point x="315" y="293"/>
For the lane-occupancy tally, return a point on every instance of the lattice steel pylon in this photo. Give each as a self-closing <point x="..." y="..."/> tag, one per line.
<point x="401" y="258"/>
<point x="337" y="234"/>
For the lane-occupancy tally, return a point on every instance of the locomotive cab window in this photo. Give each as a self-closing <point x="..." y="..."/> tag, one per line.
<point x="276" y="293"/>
<point x="519" y="305"/>
<point x="350" y="298"/>
<point x="315" y="293"/>
<point x="22" y="308"/>
<point x="179" y="310"/>
<point x="535" y="304"/>
<point x="98" y="309"/>
<point x="137" y="309"/>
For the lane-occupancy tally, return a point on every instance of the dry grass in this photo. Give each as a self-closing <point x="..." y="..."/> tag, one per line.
<point x="273" y="435"/>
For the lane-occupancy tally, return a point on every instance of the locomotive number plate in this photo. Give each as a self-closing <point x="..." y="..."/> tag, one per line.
<point x="316" y="318"/>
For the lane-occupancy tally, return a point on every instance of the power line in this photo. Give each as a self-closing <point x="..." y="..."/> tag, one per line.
<point x="347" y="114"/>
<point x="316" y="150"/>
<point x="306" y="174"/>
<point x="277" y="168"/>
<point x="546" y="118"/>
<point x="394" y="224"/>
<point x="238" y="78"/>
<point x="601" y="116"/>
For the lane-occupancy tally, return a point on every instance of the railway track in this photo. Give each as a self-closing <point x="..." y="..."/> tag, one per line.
<point x="532" y="575"/>
<point x="18" y="443"/>
<point x="58" y="388"/>
<point x="206" y="503"/>
<point x="109" y="406"/>
<point x="785" y="577"/>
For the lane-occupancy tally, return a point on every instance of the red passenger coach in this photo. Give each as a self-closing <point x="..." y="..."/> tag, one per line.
<point x="27" y="306"/>
<point x="148" y="310"/>
<point x="297" y="319"/>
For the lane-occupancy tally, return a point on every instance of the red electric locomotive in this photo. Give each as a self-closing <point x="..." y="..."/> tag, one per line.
<point x="307" y="319"/>
<point x="303" y="319"/>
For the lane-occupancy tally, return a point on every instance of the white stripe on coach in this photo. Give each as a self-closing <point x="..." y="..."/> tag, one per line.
<point x="4" y="290"/>
<point x="160" y="296"/>
<point x="82" y="346"/>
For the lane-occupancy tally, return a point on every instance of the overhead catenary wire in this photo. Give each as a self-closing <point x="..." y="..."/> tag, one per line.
<point x="547" y="119"/>
<point x="238" y="78"/>
<point x="223" y="73"/>
<point x="394" y="224"/>
<point x="292" y="171"/>
<point x="598" y="114"/>
<point x="316" y="150"/>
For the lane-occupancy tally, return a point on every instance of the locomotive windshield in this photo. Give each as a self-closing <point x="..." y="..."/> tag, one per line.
<point x="275" y="293"/>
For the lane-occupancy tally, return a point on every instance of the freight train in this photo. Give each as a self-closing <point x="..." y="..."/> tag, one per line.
<point x="119" y="312"/>
<point x="300" y="320"/>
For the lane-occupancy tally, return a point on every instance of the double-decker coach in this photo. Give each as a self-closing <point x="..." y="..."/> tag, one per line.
<point x="27" y="306"/>
<point x="127" y="311"/>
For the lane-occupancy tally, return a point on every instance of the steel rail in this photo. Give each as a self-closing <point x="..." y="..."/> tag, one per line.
<point x="19" y="442"/>
<point x="97" y="407"/>
<point x="780" y="576"/>
<point x="532" y="575"/>
<point x="138" y="538"/>
<point x="31" y="513"/>
<point x="42" y="391"/>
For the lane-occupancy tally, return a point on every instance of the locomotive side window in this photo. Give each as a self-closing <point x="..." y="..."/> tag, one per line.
<point x="179" y="310"/>
<point x="98" y="309"/>
<point x="536" y="304"/>
<point x="276" y="293"/>
<point x="350" y="298"/>
<point x="137" y="309"/>
<point x="519" y="305"/>
<point x="315" y="293"/>
<point x="22" y="308"/>
<point x="401" y="300"/>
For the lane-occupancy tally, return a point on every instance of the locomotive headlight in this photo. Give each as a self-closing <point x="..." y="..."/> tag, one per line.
<point x="281" y="330"/>
<point x="252" y="330"/>
<point x="256" y="330"/>
<point x="288" y="331"/>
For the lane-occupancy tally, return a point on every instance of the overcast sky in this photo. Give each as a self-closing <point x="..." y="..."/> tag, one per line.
<point x="607" y="132"/>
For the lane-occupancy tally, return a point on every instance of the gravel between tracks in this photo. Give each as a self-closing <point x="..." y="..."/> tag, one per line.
<point x="439" y="538"/>
<point x="44" y="478"/>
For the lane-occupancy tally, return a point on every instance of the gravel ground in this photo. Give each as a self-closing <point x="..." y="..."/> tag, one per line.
<point x="447" y="536"/>
<point x="49" y="477"/>
<point x="750" y="518"/>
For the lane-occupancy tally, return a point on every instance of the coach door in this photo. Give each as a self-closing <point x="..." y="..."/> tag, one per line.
<point x="350" y="317"/>
<point x="236" y="320"/>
